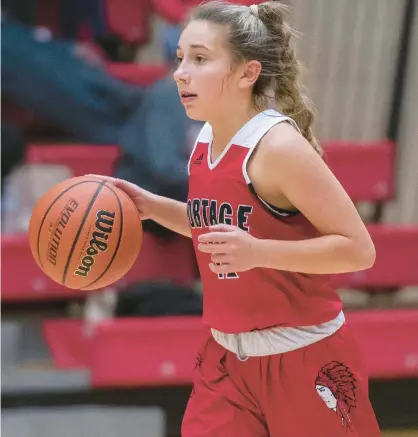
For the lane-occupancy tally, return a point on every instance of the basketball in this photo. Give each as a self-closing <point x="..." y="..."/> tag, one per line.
<point x="85" y="233"/>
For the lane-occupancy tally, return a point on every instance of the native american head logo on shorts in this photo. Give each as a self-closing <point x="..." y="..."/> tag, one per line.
<point x="336" y="386"/>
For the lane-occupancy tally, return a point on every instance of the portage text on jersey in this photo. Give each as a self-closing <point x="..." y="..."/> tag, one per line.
<point x="203" y="213"/>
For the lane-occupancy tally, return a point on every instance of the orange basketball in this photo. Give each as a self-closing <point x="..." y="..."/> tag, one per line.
<point x="85" y="233"/>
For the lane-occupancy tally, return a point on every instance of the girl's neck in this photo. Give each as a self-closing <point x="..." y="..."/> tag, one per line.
<point x="225" y="127"/>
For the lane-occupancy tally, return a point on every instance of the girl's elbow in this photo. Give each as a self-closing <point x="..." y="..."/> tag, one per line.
<point x="365" y="255"/>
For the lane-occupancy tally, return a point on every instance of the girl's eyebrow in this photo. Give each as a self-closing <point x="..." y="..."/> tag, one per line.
<point x="195" y="46"/>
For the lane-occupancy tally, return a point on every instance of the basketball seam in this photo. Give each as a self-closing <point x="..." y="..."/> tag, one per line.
<point x="80" y="228"/>
<point x="46" y="213"/>
<point x="117" y="245"/>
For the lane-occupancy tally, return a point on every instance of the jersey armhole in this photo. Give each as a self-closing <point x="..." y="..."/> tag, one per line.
<point x="276" y="211"/>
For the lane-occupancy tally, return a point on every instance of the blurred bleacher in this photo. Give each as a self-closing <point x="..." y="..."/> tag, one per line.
<point x="47" y="351"/>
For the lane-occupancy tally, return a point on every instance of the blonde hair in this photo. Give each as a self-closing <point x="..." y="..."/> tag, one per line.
<point x="267" y="38"/>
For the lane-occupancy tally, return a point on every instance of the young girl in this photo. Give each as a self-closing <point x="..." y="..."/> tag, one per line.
<point x="269" y="222"/>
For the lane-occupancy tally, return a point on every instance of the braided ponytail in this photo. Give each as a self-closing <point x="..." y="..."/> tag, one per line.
<point x="265" y="36"/>
<point x="288" y="93"/>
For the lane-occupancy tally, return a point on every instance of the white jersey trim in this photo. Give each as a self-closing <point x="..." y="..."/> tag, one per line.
<point x="265" y="122"/>
<point x="204" y="136"/>
<point x="248" y="136"/>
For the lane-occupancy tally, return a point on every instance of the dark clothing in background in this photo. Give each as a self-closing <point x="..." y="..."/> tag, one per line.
<point x="24" y="11"/>
<point x="48" y="78"/>
<point x="74" y="14"/>
<point x="155" y="299"/>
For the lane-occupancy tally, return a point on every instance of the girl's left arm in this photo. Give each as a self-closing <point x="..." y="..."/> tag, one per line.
<point x="295" y="170"/>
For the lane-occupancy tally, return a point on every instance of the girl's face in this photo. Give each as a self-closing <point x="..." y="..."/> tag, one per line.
<point x="209" y="83"/>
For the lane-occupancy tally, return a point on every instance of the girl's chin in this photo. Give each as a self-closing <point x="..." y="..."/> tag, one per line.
<point x="194" y="114"/>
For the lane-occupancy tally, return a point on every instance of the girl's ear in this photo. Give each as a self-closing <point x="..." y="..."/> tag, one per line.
<point x="250" y="73"/>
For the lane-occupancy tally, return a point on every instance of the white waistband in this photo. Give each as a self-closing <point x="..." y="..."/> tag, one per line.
<point x="276" y="340"/>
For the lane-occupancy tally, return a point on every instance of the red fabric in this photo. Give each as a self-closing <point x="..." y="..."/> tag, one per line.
<point x="257" y="298"/>
<point x="387" y="340"/>
<point x="366" y="171"/>
<point x="283" y="394"/>
<point x="69" y="343"/>
<point x="130" y="19"/>
<point x="172" y="260"/>
<point x="22" y="279"/>
<point x="175" y="11"/>
<point x="158" y="351"/>
<point x="81" y="159"/>
<point x="396" y="259"/>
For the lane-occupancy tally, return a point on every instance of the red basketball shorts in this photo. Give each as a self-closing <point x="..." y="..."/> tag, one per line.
<point x="317" y="391"/>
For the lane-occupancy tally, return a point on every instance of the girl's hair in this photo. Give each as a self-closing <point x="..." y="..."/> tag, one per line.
<point x="261" y="33"/>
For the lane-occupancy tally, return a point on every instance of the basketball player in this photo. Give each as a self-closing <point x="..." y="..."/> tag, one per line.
<point x="269" y="222"/>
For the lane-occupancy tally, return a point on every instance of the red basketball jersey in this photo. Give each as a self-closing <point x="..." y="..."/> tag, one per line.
<point x="221" y="192"/>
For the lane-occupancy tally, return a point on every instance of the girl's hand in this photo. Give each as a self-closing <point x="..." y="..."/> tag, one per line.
<point x="231" y="249"/>
<point x="142" y="199"/>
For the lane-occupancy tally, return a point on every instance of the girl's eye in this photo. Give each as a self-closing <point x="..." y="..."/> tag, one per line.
<point x="199" y="59"/>
<point x="179" y="59"/>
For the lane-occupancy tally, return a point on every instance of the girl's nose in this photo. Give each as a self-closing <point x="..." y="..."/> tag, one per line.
<point x="181" y="75"/>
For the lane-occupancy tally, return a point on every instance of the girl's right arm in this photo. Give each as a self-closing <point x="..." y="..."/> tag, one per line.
<point x="169" y="213"/>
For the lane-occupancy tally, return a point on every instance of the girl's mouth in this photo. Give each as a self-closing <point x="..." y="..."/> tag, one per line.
<point x="187" y="97"/>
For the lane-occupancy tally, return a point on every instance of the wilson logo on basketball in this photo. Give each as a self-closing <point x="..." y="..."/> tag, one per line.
<point x="104" y="226"/>
<point x="57" y="230"/>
